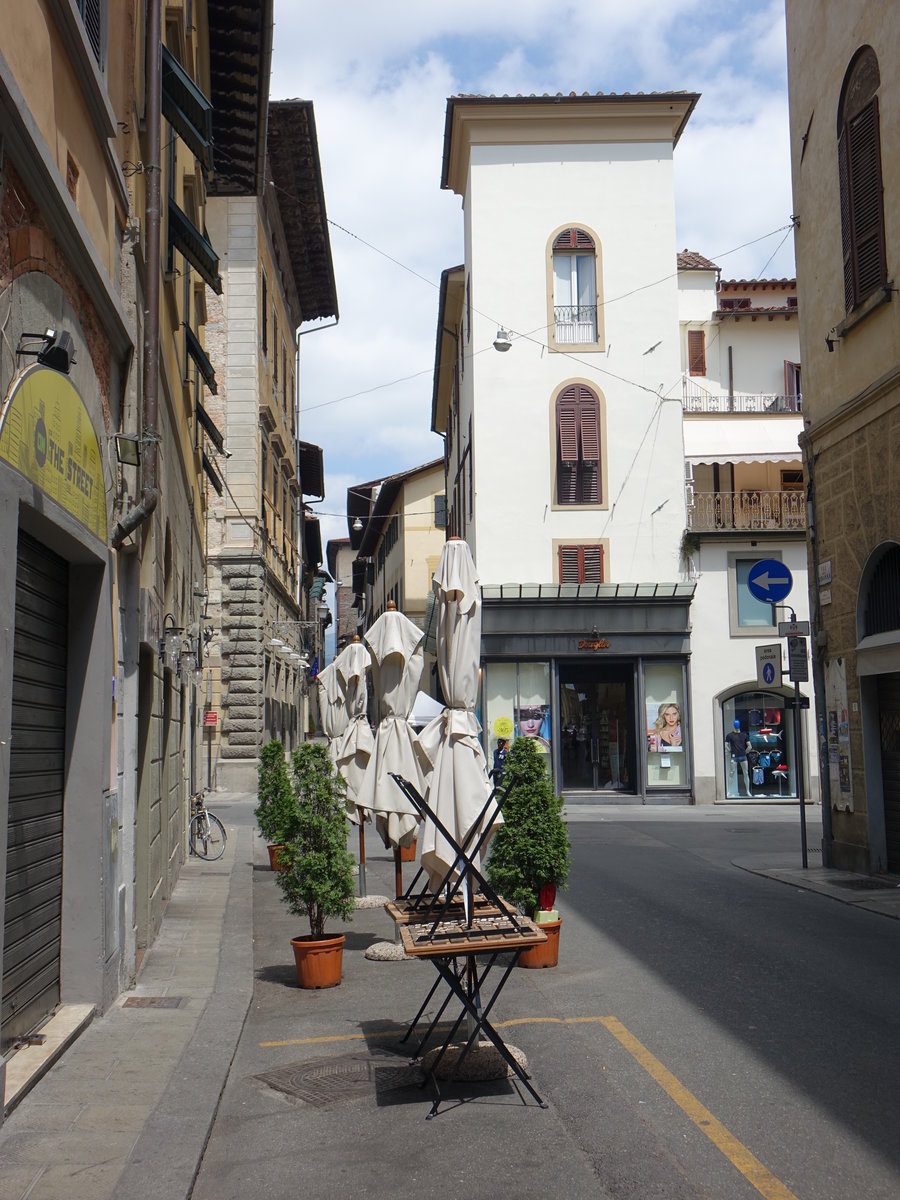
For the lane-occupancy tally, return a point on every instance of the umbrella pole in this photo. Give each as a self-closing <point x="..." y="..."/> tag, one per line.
<point x="362" y="852"/>
<point x="398" y="873"/>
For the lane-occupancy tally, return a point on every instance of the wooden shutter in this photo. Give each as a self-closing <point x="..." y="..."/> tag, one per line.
<point x="580" y="564"/>
<point x="866" y="201"/>
<point x="846" y="222"/>
<point x="578" y="448"/>
<point x="589" y="423"/>
<point x="567" y="426"/>
<point x="573" y="239"/>
<point x="696" y="352"/>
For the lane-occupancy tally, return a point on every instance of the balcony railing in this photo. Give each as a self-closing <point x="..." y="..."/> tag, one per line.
<point x="698" y="400"/>
<point x="708" y="511"/>
<point x="575" y="325"/>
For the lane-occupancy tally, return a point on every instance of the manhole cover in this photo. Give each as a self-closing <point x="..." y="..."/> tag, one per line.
<point x="866" y="885"/>
<point x="328" y="1081"/>
<point x="153" y="1002"/>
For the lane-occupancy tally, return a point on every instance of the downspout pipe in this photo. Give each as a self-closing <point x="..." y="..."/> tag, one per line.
<point x="152" y="220"/>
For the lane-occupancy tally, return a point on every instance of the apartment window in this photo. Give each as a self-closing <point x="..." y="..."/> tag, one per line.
<point x="264" y="314"/>
<point x="696" y="352"/>
<point x="580" y="564"/>
<point x="440" y="512"/>
<point x="792" y="389"/>
<point x="275" y="350"/>
<point x="574" y="288"/>
<point x="578" y="446"/>
<point x="263" y="478"/>
<point x="859" y="177"/>
<point x="91" y="13"/>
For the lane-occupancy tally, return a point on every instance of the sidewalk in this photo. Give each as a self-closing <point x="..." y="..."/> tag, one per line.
<point x="128" y="1110"/>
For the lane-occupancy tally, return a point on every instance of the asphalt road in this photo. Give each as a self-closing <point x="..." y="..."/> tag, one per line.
<point x="708" y="1033"/>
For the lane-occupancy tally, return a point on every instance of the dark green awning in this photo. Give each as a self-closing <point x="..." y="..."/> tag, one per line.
<point x="212" y="430"/>
<point x="212" y="473"/>
<point x="201" y="358"/>
<point x="186" y="108"/>
<point x="187" y="238"/>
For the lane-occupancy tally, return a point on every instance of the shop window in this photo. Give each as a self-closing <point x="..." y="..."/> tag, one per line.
<point x="666" y="730"/>
<point x="516" y="700"/>
<point x="770" y="771"/>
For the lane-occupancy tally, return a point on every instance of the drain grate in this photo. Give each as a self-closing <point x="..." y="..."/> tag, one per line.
<point x="333" y="1081"/>
<point x="153" y="1002"/>
<point x="866" y="885"/>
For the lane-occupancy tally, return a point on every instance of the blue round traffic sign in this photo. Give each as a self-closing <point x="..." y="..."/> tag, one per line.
<point x="768" y="673"/>
<point x="769" y="580"/>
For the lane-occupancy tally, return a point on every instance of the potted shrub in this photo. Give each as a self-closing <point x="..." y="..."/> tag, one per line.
<point x="530" y="852"/>
<point x="317" y="876"/>
<point x="275" y="799"/>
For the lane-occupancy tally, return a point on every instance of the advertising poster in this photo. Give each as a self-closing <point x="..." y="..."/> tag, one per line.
<point x="837" y="728"/>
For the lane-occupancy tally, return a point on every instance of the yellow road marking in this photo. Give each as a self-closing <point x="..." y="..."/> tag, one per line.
<point x="736" y="1153"/>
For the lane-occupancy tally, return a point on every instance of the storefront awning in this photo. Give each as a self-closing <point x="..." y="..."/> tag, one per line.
<point x="742" y="439"/>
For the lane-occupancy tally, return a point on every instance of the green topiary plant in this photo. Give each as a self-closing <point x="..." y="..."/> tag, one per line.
<point x="531" y="848"/>
<point x="275" y="797"/>
<point x="317" y="874"/>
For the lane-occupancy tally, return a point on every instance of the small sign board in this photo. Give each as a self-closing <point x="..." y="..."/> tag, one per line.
<point x="798" y="665"/>
<point x="210" y="718"/>
<point x="793" y="628"/>
<point x="768" y="665"/>
<point x="825" y="571"/>
<point x="769" y="580"/>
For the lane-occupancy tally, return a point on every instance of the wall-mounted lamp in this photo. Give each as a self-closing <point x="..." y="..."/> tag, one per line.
<point x="830" y="338"/>
<point x="128" y="449"/>
<point x="276" y="644"/>
<point x="502" y="341"/>
<point x="57" y="350"/>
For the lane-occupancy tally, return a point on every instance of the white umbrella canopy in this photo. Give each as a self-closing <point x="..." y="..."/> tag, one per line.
<point x="395" y="644"/>
<point x="355" y="746"/>
<point x="456" y="771"/>
<point x="332" y="711"/>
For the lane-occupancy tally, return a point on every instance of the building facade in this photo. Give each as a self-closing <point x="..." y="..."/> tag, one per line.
<point x="845" y="151"/>
<point x="264" y="550"/>
<point x="566" y="445"/>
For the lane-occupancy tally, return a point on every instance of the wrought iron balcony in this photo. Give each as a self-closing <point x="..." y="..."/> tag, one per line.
<point x="575" y="325"/>
<point x="709" y="511"/>
<point x="696" y="399"/>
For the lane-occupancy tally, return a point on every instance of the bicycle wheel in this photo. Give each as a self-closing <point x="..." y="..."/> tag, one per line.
<point x="207" y="836"/>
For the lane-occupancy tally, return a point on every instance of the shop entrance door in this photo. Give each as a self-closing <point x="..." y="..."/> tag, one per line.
<point x="597" y="722"/>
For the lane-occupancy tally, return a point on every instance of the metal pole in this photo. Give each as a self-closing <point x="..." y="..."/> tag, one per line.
<point x="799" y="758"/>
<point x="362" y="852"/>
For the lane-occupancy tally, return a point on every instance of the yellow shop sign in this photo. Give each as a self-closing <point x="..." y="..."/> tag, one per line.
<point x="46" y="433"/>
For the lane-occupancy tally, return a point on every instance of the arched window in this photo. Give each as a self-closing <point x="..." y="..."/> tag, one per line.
<point x="859" y="173"/>
<point x="881" y="613"/>
<point x="578" y="446"/>
<point x="574" y="288"/>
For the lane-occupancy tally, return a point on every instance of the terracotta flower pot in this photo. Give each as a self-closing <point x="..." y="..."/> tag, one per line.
<point x="274" y="858"/>
<point x="547" y="954"/>
<point x="319" y="960"/>
<point x="408" y="853"/>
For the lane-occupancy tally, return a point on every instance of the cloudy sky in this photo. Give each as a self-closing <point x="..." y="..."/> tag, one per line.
<point x="379" y="74"/>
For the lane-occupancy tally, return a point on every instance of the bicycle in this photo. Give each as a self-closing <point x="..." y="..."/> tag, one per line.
<point x="206" y="833"/>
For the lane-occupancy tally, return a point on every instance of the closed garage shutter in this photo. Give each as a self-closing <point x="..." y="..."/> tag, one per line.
<point x="889" y="719"/>
<point x="32" y="915"/>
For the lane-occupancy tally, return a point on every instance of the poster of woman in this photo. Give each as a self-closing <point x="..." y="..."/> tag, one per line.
<point x="664" y="733"/>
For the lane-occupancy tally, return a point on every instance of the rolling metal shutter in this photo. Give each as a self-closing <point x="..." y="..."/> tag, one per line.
<point x="889" y="719"/>
<point x="32" y="915"/>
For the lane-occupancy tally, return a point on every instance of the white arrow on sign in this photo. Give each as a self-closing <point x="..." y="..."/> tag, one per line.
<point x="766" y="580"/>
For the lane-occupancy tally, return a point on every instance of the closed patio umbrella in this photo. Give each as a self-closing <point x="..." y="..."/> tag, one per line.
<point x="454" y="765"/>
<point x="395" y="644"/>
<point x="355" y="746"/>
<point x="332" y="712"/>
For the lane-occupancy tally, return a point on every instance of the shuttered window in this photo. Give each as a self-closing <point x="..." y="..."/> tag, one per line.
<point x="860" y="180"/>
<point x="580" y="564"/>
<point x="696" y="352"/>
<point x="574" y="288"/>
<point x="91" y="14"/>
<point x="578" y="446"/>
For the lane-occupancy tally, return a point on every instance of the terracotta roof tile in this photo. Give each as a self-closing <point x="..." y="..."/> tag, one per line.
<point x="691" y="260"/>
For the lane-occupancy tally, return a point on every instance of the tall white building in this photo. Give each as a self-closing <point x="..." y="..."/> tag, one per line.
<point x="565" y="451"/>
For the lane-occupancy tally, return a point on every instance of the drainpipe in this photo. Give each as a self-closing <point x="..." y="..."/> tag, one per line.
<point x="150" y="434"/>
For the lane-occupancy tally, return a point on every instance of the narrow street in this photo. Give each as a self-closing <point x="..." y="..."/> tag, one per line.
<point x="690" y="1044"/>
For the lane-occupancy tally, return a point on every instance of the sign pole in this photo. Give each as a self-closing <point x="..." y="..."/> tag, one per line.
<point x="799" y="760"/>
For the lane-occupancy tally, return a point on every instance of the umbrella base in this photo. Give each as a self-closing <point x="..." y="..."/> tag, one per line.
<point x="483" y="1062"/>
